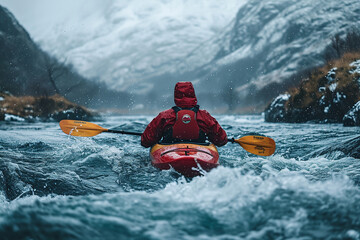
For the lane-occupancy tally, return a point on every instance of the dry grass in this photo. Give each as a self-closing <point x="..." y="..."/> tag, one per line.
<point x="29" y="106"/>
<point x="307" y="94"/>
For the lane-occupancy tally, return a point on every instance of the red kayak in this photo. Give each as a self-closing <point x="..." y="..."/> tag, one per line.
<point x="189" y="159"/>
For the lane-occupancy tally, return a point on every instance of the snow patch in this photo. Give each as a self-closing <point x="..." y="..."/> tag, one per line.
<point x="326" y="109"/>
<point x="71" y="110"/>
<point x="279" y="100"/>
<point x="331" y="75"/>
<point x="354" y="109"/>
<point x="2" y="99"/>
<point x="332" y="87"/>
<point x="322" y="100"/>
<point x="339" y="97"/>
<point x="351" y="117"/>
<point x="355" y="64"/>
<point x="322" y="89"/>
<point x="10" y="117"/>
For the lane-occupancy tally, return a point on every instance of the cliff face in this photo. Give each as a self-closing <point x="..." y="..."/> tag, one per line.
<point x="23" y="72"/>
<point x="22" y="62"/>
<point x="27" y="70"/>
<point x="329" y="94"/>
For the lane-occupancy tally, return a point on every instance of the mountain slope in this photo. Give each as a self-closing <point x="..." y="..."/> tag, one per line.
<point x="272" y="40"/>
<point x="253" y="47"/>
<point x="27" y="70"/>
<point x="21" y="60"/>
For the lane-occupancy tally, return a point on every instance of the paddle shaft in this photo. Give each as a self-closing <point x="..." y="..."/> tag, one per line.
<point x="123" y="132"/>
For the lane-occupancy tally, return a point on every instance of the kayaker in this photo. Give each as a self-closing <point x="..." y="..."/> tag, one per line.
<point x="184" y="122"/>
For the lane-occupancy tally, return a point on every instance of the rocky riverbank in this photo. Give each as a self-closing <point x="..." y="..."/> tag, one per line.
<point x="52" y="108"/>
<point x="330" y="94"/>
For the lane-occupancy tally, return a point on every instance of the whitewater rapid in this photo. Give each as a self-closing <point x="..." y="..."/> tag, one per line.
<point x="54" y="186"/>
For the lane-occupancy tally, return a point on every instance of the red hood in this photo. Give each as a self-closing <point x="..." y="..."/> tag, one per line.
<point x="184" y="95"/>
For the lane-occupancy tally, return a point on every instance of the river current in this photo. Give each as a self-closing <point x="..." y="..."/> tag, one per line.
<point x="55" y="186"/>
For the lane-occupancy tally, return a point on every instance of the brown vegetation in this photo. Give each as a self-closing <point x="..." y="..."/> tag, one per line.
<point x="44" y="108"/>
<point x="324" y="95"/>
<point x="308" y="94"/>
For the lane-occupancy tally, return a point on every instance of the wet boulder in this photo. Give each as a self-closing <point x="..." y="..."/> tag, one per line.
<point x="352" y="117"/>
<point x="333" y="105"/>
<point x="77" y="113"/>
<point x="276" y="111"/>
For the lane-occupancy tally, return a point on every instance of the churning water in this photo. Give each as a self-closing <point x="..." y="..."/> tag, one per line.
<point x="54" y="186"/>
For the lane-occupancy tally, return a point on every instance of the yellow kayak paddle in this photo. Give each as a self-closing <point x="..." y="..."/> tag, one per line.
<point x="259" y="145"/>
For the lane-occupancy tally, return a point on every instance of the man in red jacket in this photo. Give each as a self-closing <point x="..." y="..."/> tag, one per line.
<point x="185" y="122"/>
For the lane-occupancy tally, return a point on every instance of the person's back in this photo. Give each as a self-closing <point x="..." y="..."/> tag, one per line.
<point x="184" y="122"/>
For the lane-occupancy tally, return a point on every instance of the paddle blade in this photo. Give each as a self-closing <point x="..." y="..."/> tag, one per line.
<point x="259" y="145"/>
<point x="80" y="128"/>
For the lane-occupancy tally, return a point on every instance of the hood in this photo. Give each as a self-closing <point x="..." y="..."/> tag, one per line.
<point x="184" y="95"/>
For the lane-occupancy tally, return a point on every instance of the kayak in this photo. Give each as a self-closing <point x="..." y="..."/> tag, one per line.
<point x="189" y="159"/>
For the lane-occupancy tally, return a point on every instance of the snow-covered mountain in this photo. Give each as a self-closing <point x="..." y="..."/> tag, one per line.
<point x="145" y="46"/>
<point x="271" y="40"/>
<point x="124" y="43"/>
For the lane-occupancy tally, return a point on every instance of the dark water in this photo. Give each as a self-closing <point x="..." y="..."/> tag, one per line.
<point x="53" y="186"/>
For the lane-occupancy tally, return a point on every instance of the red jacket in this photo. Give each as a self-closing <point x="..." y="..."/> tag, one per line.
<point x="184" y="97"/>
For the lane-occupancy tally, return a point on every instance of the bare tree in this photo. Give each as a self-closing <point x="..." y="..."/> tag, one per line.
<point x="352" y="40"/>
<point x="54" y="71"/>
<point x="338" y="44"/>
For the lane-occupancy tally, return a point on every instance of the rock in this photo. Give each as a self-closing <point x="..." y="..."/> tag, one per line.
<point x="276" y="111"/>
<point x="77" y="113"/>
<point x="352" y="117"/>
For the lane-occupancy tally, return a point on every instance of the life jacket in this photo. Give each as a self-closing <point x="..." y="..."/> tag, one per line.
<point x="185" y="127"/>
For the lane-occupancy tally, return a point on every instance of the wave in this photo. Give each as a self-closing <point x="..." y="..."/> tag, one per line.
<point x="225" y="203"/>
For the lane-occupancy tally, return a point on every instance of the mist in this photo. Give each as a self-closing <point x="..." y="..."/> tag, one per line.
<point x="239" y="55"/>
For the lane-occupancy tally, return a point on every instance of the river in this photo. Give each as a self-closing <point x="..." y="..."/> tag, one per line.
<point x="55" y="186"/>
